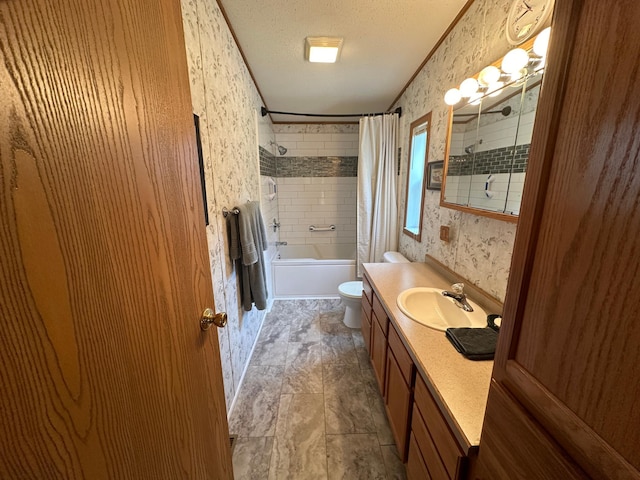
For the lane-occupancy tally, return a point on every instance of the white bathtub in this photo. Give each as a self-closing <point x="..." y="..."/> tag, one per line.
<point x="312" y="270"/>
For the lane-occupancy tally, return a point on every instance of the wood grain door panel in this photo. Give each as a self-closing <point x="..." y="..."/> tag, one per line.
<point x="103" y="265"/>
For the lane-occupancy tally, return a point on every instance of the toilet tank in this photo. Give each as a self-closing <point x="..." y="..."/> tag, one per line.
<point x="394" y="257"/>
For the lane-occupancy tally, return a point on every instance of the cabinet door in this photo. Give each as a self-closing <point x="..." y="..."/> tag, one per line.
<point x="566" y="367"/>
<point x="365" y="325"/>
<point x="416" y="467"/>
<point x="378" y="351"/>
<point x="398" y="400"/>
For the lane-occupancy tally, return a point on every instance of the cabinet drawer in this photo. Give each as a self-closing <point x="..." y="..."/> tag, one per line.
<point x="447" y="446"/>
<point x="398" y="401"/>
<point x="405" y="364"/>
<point x="416" y="468"/>
<point x="379" y="312"/>
<point x="427" y="448"/>
<point x="366" y="289"/>
<point x="378" y="353"/>
<point x="365" y="327"/>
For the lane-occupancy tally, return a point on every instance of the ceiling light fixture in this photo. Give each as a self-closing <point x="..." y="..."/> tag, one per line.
<point x="323" y="49"/>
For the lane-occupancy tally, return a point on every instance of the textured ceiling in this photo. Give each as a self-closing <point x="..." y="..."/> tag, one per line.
<point x="385" y="42"/>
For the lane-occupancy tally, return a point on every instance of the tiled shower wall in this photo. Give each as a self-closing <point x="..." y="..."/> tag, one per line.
<point x="228" y="103"/>
<point x="317" y="182"/>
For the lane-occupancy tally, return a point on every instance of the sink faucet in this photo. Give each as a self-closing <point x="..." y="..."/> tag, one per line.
<point x="458" y="296"/>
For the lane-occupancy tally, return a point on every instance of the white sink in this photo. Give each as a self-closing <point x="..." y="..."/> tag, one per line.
<point x="429" y="307"/>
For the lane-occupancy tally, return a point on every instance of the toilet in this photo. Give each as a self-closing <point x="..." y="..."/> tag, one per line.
<point x="351" y="292"/>
<point x="351" y="296"/>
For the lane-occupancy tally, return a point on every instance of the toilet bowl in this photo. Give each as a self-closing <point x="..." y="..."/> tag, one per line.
<point x="351" y="296"/>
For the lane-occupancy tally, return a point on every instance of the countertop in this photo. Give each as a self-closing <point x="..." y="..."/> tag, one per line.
<point x="459" y="386"/>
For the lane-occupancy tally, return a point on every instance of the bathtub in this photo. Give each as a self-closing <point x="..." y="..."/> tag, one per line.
<point x="312" y="270"/>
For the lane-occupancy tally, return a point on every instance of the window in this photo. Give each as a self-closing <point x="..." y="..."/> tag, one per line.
<point x="416" y="174"/>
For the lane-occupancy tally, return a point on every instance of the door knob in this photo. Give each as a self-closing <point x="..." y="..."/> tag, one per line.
<point x="209" y="317"/>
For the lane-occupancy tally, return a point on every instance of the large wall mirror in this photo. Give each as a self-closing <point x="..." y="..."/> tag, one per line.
<point x="416" y="175"/>
<point x="488" y="145"/>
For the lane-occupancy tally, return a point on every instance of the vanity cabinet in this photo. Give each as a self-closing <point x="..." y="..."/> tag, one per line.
<point x="399" y="395"/>
<point x="379" y="331"/>
<point x="425" y="439"/>
<point x="374" y="326"/>
<point x="436" y="445"/>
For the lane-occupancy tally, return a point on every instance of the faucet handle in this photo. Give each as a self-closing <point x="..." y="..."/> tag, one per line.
<point x="458" y="288"/>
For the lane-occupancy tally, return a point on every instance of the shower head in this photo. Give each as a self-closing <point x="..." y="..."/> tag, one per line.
<point x="282" y="150"/>
<point x="469" y="149"/>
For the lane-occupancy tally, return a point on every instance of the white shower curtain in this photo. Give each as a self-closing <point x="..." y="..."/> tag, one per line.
<point x="377" y="191"/>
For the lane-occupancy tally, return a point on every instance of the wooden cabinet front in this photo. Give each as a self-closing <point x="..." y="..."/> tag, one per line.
<point x="378" y="351"/>
<point x="416" y="466"/>
<point x="398" y="401"/>
<point x="365" y="324"/>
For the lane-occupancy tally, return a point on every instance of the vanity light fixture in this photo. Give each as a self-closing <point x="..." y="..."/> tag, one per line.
<point x="469" y="87"/>
<point x="489" y="75"/>
<point x="517" y="65"/>
<point x="323" y="49"/>
<point x="515" y="60"/>
<point x="541" y="43"/>
<point x="452" y="96"/>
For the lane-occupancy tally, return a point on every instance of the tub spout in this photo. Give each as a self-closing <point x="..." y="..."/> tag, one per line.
<point x="280" y="243"/>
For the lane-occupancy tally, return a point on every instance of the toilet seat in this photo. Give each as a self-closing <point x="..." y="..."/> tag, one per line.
<point x="351" y="289"/>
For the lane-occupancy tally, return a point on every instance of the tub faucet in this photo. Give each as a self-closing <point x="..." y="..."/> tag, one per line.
<point x="280" y="243"/>
<point x="458" y="296"/>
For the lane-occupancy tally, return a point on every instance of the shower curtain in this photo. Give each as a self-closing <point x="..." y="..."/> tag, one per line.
<point x="377" y="190"/>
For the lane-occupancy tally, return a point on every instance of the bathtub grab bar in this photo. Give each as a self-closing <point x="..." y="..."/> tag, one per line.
<point x="313" y="228"/>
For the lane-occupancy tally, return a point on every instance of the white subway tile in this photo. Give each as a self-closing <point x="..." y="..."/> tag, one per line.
<point x="306" y="152"/>
<point x="317" y="137"/>
<point x="308" y="145"/>
<point x="289" y="137"/>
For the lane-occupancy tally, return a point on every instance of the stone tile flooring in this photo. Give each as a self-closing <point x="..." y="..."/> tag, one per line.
<point x="309" y="406"/>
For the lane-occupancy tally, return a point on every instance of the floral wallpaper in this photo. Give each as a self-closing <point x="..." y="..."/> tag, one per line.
<point x="480" y="248"/>
<point x="227" y="101"/>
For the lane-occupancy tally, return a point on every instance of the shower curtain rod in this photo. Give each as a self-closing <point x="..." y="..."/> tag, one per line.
<point x="264" y="112"/>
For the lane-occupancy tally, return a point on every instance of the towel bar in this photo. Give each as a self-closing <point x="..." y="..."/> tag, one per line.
<point x="226" y="211"/>
<point x="313" y="228"/>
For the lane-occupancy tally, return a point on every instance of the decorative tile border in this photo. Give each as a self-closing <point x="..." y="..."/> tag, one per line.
<point x="273" y="166"/>
<point x="498" y="160"/>
<point x="268" y="162"/>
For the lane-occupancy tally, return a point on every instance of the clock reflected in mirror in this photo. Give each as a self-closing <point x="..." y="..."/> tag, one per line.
<point x="526" y="18"/>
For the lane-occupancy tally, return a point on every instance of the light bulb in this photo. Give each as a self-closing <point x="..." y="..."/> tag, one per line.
<point x="468" y="87"/>
<point x="452" y="96"/>
<point x="495" y="89"/>
<point x="515" y="60"/>
<point x="541" y="43"/>
<point x="489" y="75"/>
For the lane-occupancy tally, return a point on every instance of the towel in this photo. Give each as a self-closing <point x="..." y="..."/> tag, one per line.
<point x="474" y="343"/>
<point x="247" y="241"/>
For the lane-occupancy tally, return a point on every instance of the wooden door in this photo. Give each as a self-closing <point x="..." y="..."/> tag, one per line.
<point x="104" y="273"/>
<point x="564" y="394"/>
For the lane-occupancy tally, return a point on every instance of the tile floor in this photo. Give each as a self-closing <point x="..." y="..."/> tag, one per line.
<point x="309" y="406"/>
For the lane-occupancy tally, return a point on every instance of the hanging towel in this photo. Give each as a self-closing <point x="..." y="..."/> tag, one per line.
<point x="474" y="343"/>
<point x="247" y="241"/>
